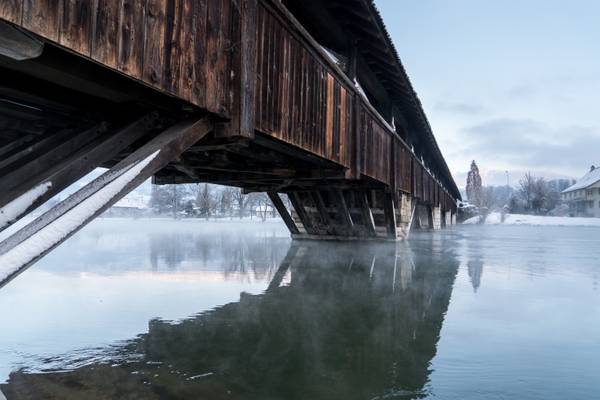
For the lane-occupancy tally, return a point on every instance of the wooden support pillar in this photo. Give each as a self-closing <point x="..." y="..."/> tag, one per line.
<point x="322" y="209"/>
<point x="389" y="210"/>
<point x="283" y="212"/>
<point x="429" y="217"/>
<point x="367" y="214"/>
<point x="343" y="210"/>
<point x="26" y="246"/>
<point x="302" y="214"/>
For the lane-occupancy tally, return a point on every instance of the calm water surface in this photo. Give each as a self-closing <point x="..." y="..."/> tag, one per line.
<point x="160" y="309"/>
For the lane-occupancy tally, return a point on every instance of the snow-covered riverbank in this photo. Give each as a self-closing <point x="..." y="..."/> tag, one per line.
<point x="495" y="218"/>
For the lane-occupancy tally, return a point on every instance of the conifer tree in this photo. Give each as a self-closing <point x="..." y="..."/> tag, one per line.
<point x="474" y="185"/>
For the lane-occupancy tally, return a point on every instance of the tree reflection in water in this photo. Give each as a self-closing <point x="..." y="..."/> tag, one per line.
<point x="356" y="321"/>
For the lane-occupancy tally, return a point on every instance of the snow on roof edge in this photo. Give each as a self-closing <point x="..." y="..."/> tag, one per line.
<point x="587" y="180"/>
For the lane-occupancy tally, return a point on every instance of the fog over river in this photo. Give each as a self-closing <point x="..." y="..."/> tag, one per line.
<point x="189" y="309"/>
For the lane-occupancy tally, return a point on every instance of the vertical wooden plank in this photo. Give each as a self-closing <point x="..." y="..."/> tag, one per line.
<point x="224" y="59"/>
<point x="43" y="17"/>
<point x="243" y="85"/>
<point x="75" y="28"/>
<point x="105" y="33"/>
<point x="11" y="10"/>
<point x="260" y="81"/>
<point x="130" y="38"/>
<point x="173" y="44"/>
<point x="154" y="43"/>
<point x="196" y="55"/>
<point x="329" y="117"/>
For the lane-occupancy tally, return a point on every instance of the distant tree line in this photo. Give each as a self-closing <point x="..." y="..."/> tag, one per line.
<point x="533" y="195"/>
<point x="210" y="201"/>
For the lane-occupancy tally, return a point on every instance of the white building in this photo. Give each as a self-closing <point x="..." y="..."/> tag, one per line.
<point x="583" y="197"/>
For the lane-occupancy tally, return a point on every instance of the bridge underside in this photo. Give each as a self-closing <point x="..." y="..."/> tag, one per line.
<point x="346" y="172"/>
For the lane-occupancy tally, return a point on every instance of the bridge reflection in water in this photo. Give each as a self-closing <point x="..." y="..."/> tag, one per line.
<point x="354" y="322"/>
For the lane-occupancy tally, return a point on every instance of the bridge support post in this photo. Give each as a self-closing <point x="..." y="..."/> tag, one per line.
<point x="436" y="217"/>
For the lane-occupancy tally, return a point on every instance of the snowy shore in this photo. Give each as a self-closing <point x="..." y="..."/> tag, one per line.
<point x="495" y="218"/>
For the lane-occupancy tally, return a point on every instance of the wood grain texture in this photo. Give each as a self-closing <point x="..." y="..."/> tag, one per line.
<point x="11" y="10"/>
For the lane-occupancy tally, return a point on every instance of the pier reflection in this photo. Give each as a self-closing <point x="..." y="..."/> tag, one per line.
<point x="350" y="321"/>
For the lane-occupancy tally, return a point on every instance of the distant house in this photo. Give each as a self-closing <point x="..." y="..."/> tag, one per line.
<point x="132" y="205"/>
<point x="583" y="197"/>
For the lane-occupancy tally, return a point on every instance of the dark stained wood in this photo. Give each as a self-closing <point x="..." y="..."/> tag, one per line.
<point x="11" y="10"/>
<point x="389" y="209"/>
<point x="154" y="45"/>
<point x="252" y="64"/>
<point x="130" y="39"/>
<point x="322" y="209"/>
<point x="43" y="17"/>
<point x="343" y="211"/>
<point x="367" y="214"/>
<point x="283" y="212"/>
<point x="298" y="205"/>
<point x="74" y="25"/>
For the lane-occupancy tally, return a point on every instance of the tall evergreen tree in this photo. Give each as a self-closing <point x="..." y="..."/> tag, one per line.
<point x="474" y="185"/>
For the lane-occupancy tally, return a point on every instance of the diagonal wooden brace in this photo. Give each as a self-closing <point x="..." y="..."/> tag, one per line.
<point x="42" y="235"/>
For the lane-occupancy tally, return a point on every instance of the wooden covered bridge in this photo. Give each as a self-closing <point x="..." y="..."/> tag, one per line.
<point x="300" y="97"/>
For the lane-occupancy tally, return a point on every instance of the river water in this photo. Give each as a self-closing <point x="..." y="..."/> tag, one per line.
<point x="161" y="309"/>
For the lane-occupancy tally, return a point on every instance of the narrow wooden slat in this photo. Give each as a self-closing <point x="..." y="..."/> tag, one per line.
<point x="43" y="17"/>
<point x="130" y="38"/>
<point x="75" y="29"/>
<point x="154" y="43"/>
<point x="11" y="10"/>
<point x="283" y="212"/>
<point x="105" y="32"/>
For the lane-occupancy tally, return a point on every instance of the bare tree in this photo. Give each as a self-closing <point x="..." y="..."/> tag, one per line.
<point x="205" y="201"/>
<point x="534" y="192"/>
<point x="242" y="200"/>
<point x="226" y="200"/>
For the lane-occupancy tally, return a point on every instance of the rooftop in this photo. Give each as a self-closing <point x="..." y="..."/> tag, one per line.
<point x="587" y="180"/>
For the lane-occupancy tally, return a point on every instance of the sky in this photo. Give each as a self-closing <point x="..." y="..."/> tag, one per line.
<point x="514" y="85"/>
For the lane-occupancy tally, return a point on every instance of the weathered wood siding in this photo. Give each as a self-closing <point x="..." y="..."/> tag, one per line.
<point x="181" y="47"/>
<point x="376" y="145"/>
<point x="298" y="98"/>
<point x="247" y="60"/>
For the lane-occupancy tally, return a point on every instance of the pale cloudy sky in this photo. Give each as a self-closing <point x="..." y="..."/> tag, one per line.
<point x="513" y="84"/>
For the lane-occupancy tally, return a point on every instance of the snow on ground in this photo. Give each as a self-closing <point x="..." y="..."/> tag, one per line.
<point x="495" y="218"/>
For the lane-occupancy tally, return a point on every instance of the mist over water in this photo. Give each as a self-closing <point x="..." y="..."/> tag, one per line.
<point x="163" y="309"/>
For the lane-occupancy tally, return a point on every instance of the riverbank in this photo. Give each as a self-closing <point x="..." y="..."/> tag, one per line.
<point x="495" y="218"/>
